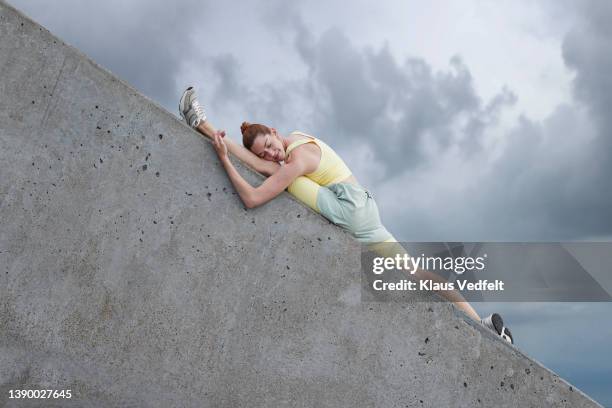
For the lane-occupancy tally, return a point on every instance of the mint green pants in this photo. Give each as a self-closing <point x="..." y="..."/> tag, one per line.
<point x="352" y="208"/>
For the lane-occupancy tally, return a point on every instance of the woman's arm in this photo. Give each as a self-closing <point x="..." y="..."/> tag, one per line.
<point x="265" y="167"/>
<point x="270" y="188"/>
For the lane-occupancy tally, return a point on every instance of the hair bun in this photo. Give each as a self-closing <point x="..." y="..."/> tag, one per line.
<point x="244" y="127"/>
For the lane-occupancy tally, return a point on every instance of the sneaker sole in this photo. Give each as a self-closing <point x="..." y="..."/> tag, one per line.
<point x="182" y="102"/>
<point x="498" y="323"/>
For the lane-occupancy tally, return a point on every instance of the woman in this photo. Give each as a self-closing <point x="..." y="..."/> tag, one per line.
<point x="317" y="176"/>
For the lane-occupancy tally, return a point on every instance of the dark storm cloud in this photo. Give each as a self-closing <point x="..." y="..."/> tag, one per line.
<point x="143" y="42"/>
<point x="396" y="108"/>
<point x="230" y="86"/>
<point x="277" y="104"/>
<point x="479" y="121"/>
<point x="568" y="196"/>
<point x="586" y="50"/>
<point x="543" y="186"/>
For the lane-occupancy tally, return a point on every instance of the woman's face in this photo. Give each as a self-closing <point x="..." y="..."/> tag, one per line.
<point x="269" y="147"/>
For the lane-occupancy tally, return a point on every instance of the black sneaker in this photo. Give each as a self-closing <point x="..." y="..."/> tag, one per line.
<point x="496" y="324"/>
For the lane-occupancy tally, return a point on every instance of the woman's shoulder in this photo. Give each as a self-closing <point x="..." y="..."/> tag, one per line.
<point x="297" y="141"/>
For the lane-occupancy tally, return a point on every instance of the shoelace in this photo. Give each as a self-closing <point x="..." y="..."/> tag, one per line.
<point x="199" y="109"/>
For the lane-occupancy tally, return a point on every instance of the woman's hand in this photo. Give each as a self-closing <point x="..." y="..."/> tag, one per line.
<point x="219" y="144"/>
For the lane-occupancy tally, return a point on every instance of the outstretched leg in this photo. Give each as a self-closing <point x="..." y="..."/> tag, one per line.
<point x="206" y="128"/>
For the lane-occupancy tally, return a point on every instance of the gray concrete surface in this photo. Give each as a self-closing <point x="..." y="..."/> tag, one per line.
<point x="131" y="274"/>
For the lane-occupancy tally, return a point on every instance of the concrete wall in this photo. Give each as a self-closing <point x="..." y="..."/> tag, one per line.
<point x="131" y="274"/>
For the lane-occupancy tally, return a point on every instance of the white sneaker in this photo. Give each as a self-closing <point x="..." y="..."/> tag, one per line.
<point x="190" y="108"/>
<point x="496" y="323"/>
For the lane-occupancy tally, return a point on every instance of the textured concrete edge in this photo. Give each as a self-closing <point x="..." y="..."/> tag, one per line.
<point x="161" y="109"/>
<point x="518" y="353"/>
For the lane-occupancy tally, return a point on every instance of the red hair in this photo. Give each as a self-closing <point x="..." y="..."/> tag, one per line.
<point x="251" y="131"/>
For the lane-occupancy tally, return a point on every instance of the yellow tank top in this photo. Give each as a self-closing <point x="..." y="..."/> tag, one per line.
<point x="332" y="168"/>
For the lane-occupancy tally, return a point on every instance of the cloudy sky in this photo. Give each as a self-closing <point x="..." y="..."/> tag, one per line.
<point x="470" y="120"/>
